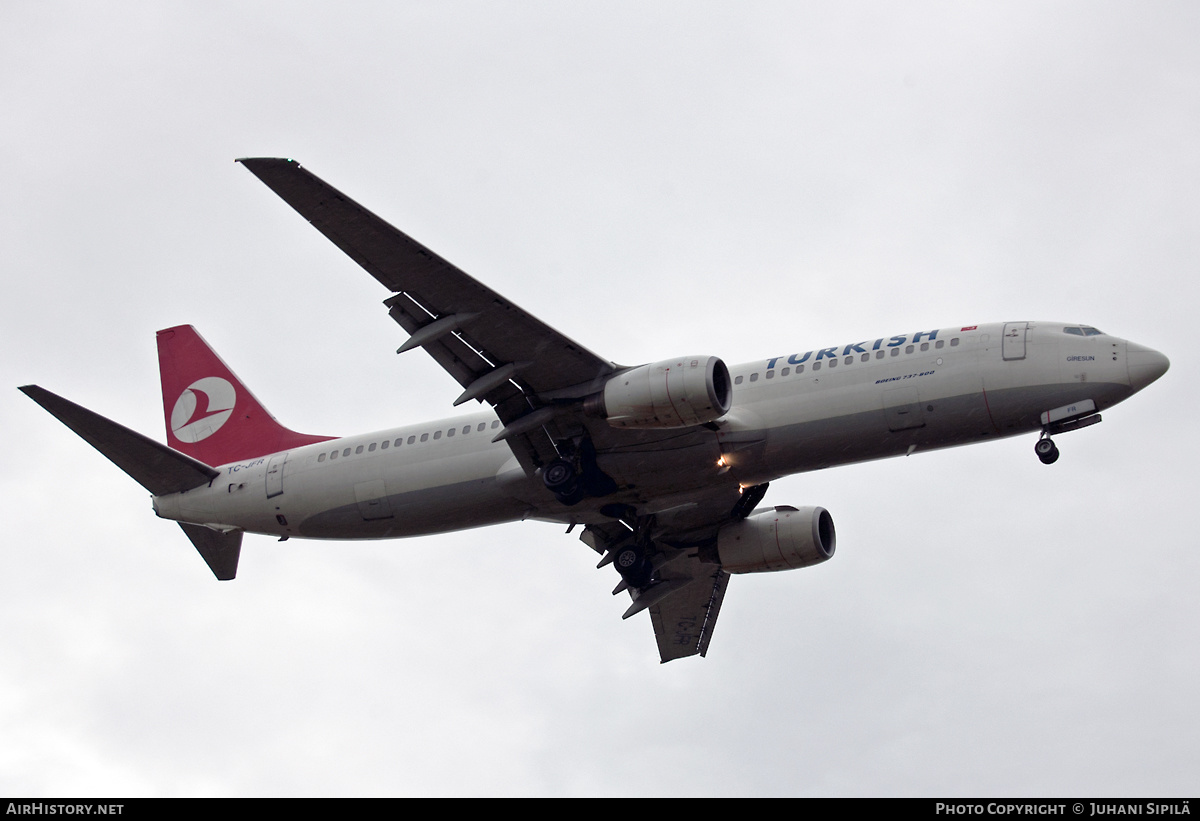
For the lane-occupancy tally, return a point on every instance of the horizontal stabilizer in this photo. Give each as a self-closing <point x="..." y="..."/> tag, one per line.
<point x="219" y="550"/>
<point x="154" y="466"/>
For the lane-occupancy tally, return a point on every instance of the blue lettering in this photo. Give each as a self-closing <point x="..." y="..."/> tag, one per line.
<point x="855" y="347"/>
<point x="878" y="342"/>
<point x="830" y="353"/>
<point x="792" y="360"/>
<point x="897" y="340"/>
<point x="917" y="336"/>
<point x="771" y="362"/>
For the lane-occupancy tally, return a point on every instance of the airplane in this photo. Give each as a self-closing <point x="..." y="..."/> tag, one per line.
<point x="663" y="465"/>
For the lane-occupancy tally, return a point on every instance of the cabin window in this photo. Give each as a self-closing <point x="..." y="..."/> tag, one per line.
<point x="770" y="374"/>
<point x="412" y="439"/>
<point x="785" y="371"/>
<point x="833" y="363"/>
<point x="909" y="348"/>
<point x="924" y="346"/>
<point x="333" y="455"/>
<point x="799" y="369"/>
<point x="437" y="434"/>
<point x="754" y="377"/>
<point x="895" y="351"/>
<point x="849" y="360"/>
<point x="817" y="365"/>
<point x="879" y="354"/>
<point x="737" y="380"/>
<point x="371" y="447"/>
<point x="954" y="342"/>
<point x="424" y="437"/>
<point x="321" y="458"/>
<point x="466" y="429"/>
<point x="358" y="449"/>
<point x="451" y="432"/>
<point x="864" y="357"/>
<point x="941" y="343"/>
<point x="496" y="423"/>
<point x="385" y="444"/>
<point x="346" y="452"/>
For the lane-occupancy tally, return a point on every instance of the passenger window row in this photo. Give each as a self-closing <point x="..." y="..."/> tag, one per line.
<point x="410" y="440"/>
<point x="833" y="362"/>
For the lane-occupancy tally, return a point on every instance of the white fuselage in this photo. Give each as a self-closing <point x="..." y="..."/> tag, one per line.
<point x="792" y="413"/>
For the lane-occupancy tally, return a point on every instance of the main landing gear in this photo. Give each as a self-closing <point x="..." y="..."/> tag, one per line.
<point x="1046" y="450"/>
<point x="634" y="565"/>
<point x="574" y="475"/>
<point x="562" y="479"/>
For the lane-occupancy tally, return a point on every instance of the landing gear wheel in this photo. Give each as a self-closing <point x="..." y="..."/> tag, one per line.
<point x="559" y="476"/>
<point x="572" y="497"/>
<point x="1047" y="451"/>
<point x="632" y="564"/>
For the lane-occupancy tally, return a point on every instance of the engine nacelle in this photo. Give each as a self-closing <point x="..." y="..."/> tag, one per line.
<point x="674" y="393"/>
<point x="779" y="538"/>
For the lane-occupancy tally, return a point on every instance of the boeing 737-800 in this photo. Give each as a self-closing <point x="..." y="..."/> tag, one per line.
<point x="662" y="465"/>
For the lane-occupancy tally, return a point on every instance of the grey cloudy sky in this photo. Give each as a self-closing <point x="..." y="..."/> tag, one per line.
<point x="745" y="180"/>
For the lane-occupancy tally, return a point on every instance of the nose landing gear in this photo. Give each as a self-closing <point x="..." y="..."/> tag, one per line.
<point x="1046" y="450"/>
<point x="1077" y="415"/>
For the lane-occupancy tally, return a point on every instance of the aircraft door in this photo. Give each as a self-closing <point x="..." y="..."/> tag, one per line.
<point x="275" y="475"/>
<point x="1012" y="346"/>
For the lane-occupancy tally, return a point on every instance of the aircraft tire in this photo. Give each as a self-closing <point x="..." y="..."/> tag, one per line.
<point x="559" y="476"/>
<point x="1047" y="451"/>
<point x="632" y="564"/>
<point x="573" y="496"/>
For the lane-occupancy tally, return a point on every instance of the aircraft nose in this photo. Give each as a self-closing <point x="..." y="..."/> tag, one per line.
<point x="1145" y="365"/>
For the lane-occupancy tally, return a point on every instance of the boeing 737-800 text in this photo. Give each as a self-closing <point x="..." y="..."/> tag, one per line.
<point x="662" y="464"/>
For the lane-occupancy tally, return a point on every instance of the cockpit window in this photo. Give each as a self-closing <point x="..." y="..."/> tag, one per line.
<point x="1090" y="331"/>
<point x="1082" y="330"/>
<point x="1073" y="330"/>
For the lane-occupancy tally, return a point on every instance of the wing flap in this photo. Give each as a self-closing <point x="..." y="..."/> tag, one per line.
<point x="684" y="620"/>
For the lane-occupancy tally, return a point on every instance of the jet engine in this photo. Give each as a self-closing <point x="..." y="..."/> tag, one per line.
<point x="674" y="393"/>
<point x="778" y="538"/>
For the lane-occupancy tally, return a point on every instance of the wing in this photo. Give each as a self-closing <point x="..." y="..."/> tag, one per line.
<point x="688" y="587"/>
<point x="496" y="351"/>
<point x="536" y="378"/>
<point x="684" y="621"/>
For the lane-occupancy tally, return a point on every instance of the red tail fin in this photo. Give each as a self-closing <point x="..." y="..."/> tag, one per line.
<point x="211" y="415"/>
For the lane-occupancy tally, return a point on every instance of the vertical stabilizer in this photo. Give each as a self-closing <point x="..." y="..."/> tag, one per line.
<point x="210" y="414"/>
